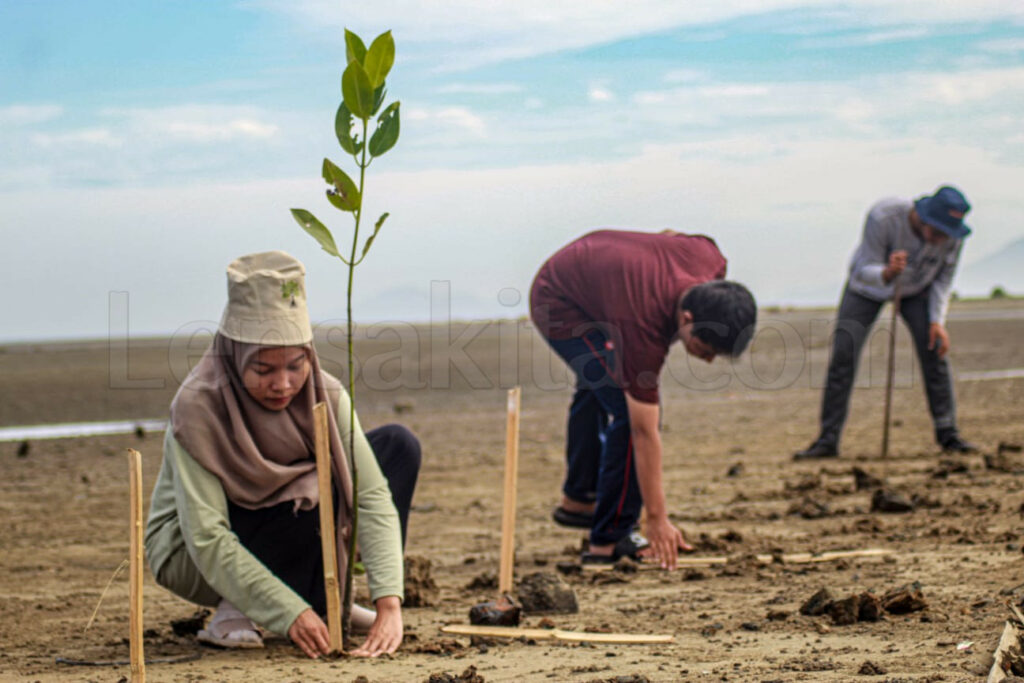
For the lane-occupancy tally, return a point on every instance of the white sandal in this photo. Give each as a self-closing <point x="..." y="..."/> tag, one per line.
<point x="231" y="629"/>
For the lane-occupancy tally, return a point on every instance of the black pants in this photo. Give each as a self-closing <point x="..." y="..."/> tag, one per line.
<point x="288" y="543"/>
<point x="856" y="316"/>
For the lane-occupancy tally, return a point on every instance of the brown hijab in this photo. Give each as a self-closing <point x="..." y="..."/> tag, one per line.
<point x="262" y="457"/>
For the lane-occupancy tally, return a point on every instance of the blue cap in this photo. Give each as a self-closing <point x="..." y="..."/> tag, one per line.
<point x="945" y="211"/>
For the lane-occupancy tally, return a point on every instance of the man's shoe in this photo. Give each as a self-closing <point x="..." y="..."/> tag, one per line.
<point x="817" y="450"/>
<point x="954" y="444"/>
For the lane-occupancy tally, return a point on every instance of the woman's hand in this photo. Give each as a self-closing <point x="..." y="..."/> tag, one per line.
<point x="309" y="632"/>
<point x="386" y="633"/>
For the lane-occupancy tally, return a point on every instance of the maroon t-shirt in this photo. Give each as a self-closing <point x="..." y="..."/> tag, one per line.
<point x="628" y="284"/>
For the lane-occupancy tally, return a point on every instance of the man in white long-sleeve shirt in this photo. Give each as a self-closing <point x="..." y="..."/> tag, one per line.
<point x="909" y="249"/>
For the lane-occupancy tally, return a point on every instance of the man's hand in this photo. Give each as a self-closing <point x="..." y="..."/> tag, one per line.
<point x="666" y="542"/>
<point x="386" y="633"/>
<point x="309" y="632"/>
<point x="897" y="264"/>
<point x="938" y="339"/>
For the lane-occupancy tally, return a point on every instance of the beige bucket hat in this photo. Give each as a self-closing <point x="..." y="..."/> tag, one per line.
<point x="267" y="301"/>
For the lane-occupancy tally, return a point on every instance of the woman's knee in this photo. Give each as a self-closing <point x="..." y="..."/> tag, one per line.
<point x="401" y="444"/>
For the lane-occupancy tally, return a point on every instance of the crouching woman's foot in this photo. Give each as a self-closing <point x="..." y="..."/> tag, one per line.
<point x="231" y="629"/>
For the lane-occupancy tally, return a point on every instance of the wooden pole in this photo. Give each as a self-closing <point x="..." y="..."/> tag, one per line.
<point x="508" y="516"/>
<point x="137" y="658"/>
<point x="890" y="372"/>
<point x="327" y="537"/>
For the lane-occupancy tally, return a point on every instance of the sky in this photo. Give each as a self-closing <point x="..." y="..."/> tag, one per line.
<point x="144" y="145"/>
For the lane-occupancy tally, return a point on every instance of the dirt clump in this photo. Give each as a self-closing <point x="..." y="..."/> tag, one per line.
<point x="846" y="611"/>
<point x="483" y="581"/>
<point x="1002" y="462"/>
<point x="189" y="626"/>
<point x="947" y="467"/>
<point x="735" y="470"/>
<point x="870" y="607"/>
<point x="869" y="668"/>
<point x="544" y="592"/>
<point x="905" y="599"/>
<point x="420" y="588"/>
<point x="809" y="508"/>
<point x="468" y="676"/>
<point x="817" y="603"/>
<point x="885" y="500"/>
<point x="864" y="481"/>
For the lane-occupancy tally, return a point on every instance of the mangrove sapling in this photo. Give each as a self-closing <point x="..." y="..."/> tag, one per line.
<point x="363" y="92"/>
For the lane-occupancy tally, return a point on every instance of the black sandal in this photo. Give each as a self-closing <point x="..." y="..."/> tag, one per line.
<point x="629" y="546"/>
<point x="575" y="520"/>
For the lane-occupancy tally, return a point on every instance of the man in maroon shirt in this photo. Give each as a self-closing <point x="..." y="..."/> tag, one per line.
<point x="610" y="304"/>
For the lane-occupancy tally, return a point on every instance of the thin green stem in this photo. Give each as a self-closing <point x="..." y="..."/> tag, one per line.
<point x="350" y="569"/>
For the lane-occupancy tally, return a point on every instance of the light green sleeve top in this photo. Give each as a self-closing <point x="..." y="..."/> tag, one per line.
<point x="189" y="508"/>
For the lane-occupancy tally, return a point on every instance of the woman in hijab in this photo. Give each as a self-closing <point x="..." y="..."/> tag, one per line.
<point x="234" y="522"/>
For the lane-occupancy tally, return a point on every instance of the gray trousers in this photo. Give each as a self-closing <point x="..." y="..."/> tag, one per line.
<point x="856" y="316"/>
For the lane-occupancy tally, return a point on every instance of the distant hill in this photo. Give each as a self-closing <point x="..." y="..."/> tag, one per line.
<point x="1004" y="268"/>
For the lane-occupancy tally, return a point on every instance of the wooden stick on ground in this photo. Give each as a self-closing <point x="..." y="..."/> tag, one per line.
<point x="555" y="634"/>
<point x="508" y="516"/>
<point x="327" y="537"/>
<point x="137" y="658"/>
<point x="793" y="558"/>
<point x="890" y="371"/>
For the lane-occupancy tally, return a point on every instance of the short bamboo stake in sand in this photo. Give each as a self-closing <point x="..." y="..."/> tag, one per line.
<point x="508" y="516"/>
<point x="327" y="538"/>
<point x="890" y="372"/>
<point x="136" y="655"/>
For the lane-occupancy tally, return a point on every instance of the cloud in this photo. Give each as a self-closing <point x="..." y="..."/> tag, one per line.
<point x="530" y="27"/>
<point x="207" y="132"/>
<point x="195" y="123"/>
<point x="102" y="137"/>
<point x="1003" y="45"/>
<point x="480" y="88"/>
<point x="459" y="118"/>
<point x="29" y="114"/>
<point x="868" y="39"/>
<point x="598" y="93"/>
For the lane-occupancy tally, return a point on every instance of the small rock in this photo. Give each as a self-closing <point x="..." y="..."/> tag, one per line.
<point x="403" y="406"/>
<point x="863" y="481"/>
<point x="904" y="599"/>
<point x="500" y="612"/>
<point x="809" y="508"/>
<point x="846" y="611"/>
<point x="750" y="626"/>
<point x="140" y="432"/>
<point x="870" y="607"/>
<point x="569" y="568"/>
<point x="777" y="615"/>
<point x="869" y="668"/>
<point x="817" y="603"/>
<point x="482" y="582"/>
<point x="23" y="448"/>
<point x="890" y="501"/>
<point x="544" y="592"/>
<point x="735" y="471"/>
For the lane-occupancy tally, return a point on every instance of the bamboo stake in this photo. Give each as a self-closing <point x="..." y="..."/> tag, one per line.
<point x="327" y="537"/>
<point x="508" y="517"/>
<point x="890" y="372"/>
<point x="136" y="655"/>
<point x="555" y="634"/>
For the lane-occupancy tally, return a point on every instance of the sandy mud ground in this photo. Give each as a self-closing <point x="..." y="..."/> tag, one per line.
<point x="64" y="506"/>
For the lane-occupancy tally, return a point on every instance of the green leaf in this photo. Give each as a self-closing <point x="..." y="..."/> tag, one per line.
<point x="344" y="193"/>
<point x="379" y="58"/>
<point x="378" y="98"/>
<point x="357" y="90"/>
<point x="355" y="50"/>
<point x="386" y="135"/>
<point x="376" y="229"/>
<point x="317" y="229"/>
<point x="343" y="129"/>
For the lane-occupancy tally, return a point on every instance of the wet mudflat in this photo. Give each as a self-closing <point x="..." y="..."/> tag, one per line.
<point x="955" y="524"/>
